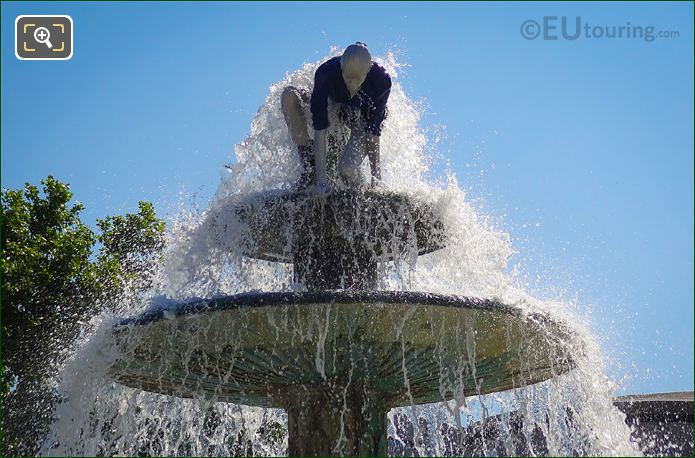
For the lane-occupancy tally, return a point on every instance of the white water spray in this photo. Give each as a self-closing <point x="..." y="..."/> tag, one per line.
<point x="573" y="412"/>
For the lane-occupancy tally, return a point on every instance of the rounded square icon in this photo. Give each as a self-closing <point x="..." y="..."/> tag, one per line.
<point x="43" y="37"/>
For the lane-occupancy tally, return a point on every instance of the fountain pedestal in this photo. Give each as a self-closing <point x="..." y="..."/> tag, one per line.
<point x="325" y="421"/>
<point x="338" y="356"/>
<point x="325" y="258"/>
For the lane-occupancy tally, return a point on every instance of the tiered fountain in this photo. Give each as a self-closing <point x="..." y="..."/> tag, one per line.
<point x="338" y="353"/>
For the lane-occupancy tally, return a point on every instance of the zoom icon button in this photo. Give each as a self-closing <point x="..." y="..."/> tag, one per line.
<point x="39" y="37"/>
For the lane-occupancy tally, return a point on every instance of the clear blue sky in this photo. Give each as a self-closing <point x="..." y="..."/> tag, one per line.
<point x="591" y="138"/>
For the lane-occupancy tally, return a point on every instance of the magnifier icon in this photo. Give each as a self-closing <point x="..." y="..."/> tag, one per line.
<point x="42" y="35"/>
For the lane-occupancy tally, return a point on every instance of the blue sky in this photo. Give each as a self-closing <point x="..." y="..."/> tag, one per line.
<point x="581" y="149"/>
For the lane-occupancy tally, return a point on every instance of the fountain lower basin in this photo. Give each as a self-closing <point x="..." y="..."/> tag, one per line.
<point x="337" y="361"/>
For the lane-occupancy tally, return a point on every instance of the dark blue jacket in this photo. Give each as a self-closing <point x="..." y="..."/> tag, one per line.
<point x="370" y="99"/>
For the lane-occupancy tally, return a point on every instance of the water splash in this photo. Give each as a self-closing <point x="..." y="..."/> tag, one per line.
<point x="568" y="415"/>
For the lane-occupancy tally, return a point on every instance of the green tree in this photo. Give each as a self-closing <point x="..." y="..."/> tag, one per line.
<point x="57" y="273"/>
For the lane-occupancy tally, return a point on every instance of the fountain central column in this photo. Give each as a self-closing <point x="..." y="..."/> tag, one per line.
<point x="337" y="244"/>
<point x="325" y="421"/>
<point x="332" y="249"/>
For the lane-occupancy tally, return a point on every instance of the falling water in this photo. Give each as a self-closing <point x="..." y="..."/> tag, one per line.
<point x="569" y="414"/>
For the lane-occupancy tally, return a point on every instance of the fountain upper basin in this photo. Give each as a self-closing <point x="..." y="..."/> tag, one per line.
<point x="279" y="223"/>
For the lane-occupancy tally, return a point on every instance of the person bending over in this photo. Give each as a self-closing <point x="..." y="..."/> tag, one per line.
<point x="361" y="88"/>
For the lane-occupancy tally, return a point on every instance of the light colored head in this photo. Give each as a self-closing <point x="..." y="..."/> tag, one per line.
<point x="355" y="64"/>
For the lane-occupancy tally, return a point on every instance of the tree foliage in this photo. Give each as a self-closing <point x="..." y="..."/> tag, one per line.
<point x="57" y="273"/>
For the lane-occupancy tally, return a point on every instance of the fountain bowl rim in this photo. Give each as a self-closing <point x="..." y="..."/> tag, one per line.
<point x="257" y="299"/>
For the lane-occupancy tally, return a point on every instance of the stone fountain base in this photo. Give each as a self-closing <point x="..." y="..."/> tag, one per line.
<point x="340" y="355"/>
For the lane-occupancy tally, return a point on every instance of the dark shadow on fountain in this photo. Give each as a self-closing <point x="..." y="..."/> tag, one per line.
<point x="338" y="356"/>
